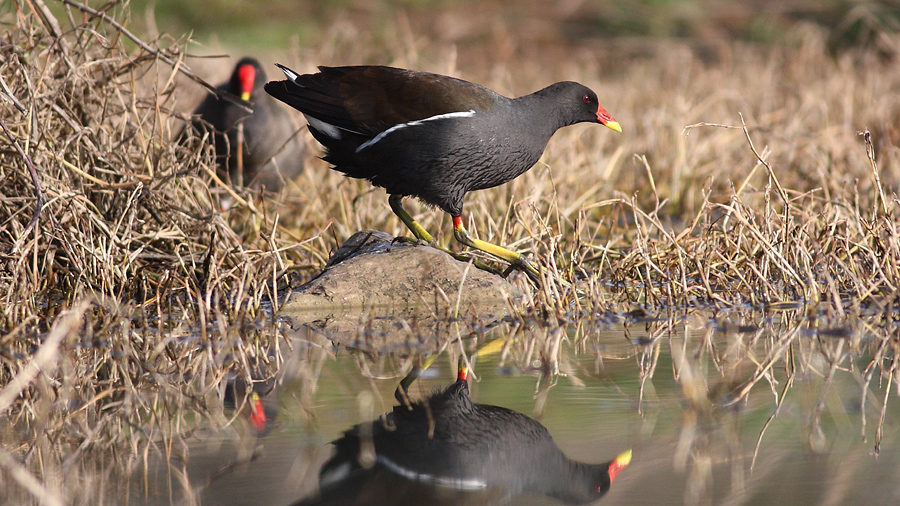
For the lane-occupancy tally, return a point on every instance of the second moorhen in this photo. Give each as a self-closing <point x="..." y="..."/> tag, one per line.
<point x="432" y="136"/>
<point x="270" y="152"/>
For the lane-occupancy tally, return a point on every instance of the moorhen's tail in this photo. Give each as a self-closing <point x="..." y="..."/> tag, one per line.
<point x="329" y="122"/>
<point x="314" y="95"/>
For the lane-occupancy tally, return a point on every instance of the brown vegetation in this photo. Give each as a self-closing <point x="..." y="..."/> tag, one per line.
<point x="131" y="282"/>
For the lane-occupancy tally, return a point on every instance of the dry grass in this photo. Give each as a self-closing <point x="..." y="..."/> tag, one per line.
<point x="129" y="300"/>
<point x="143" y="283"/>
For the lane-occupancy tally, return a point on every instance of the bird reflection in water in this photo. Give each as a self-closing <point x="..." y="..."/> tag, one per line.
<point x="449" y="450"/>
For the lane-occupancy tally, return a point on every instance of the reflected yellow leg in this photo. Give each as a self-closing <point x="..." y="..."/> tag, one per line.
<point x="402" y="392"/>
<point x="462" y="372"/>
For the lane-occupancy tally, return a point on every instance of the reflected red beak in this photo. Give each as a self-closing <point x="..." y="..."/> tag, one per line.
<point x="257" y="414"/>
<point x="621" y="461"/>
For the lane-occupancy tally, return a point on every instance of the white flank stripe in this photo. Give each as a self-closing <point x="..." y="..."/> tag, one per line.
<point x="444" y="481"/>
<point x="335" y="475"/>
<point x="461" y="114"/>
<point x="326" y="128"/>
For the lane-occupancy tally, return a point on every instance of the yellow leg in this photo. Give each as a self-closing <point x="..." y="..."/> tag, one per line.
<point x="462" y="235"/>
<point x="417" y="230"/>
<point x="423" y="235"/>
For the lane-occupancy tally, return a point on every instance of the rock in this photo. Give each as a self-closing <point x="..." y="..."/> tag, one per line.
<point x="371" y="269"/>
<point x="372" y="274"/>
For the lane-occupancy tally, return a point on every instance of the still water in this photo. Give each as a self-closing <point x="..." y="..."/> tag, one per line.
<point x="718" y="410"/>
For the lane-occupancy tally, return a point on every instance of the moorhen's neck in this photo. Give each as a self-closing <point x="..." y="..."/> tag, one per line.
<point x="553" y="474"/>
<point x="458" y="394"/>
<point x="545" y="109"/>
<point x="590" y="482"/>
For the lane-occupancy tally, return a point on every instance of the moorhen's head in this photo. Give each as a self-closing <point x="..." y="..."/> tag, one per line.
<point x="248" y="77"/>
<point x="590" y="482"/>
<point x="579" y="104"/>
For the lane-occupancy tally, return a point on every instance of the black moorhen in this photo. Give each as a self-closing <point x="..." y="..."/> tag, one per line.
<point x="450" y="443"/>
<point x="431" y="136"/>
<point x="260" y="413"/>
<point x="270" y="153"/>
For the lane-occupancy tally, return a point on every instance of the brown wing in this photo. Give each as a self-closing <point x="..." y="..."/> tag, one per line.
<point x="370" y="99"/>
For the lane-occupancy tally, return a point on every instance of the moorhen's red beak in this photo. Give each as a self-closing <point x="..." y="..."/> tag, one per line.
<point x="624" y="458"/>
<point x="604" y="118"/>
<point x="246" y="74"/>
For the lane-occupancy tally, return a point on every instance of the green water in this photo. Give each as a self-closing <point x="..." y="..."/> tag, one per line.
<point x="675" y="399"/>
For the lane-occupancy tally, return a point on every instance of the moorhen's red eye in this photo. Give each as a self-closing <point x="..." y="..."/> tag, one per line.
<point x="587" y="99"/>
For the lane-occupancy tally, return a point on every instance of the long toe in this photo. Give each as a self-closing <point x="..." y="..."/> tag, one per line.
<point x="533" y="273"/>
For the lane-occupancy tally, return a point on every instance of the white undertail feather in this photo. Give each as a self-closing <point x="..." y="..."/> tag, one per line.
<point x="335" y="475"/>
<point x="289" y="73"/>
<point x="326" y="128"/>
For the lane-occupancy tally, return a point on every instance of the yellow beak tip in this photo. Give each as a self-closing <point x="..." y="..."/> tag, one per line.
<point x="624" y="458"/>
<point x="614" y="125"/>
<point x="246" y="98"/>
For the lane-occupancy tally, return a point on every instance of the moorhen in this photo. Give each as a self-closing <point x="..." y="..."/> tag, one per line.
<point x="270" y="153"/>
<point x="465" y="449"/>
<point x="432" y="136"/>
<point x="259" y="408"/>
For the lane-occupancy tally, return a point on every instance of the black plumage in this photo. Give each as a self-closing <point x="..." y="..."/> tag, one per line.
<point x="430" y="136"/>
<point x="450" y="443"/>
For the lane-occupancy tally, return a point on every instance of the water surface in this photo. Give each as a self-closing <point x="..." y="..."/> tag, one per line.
<point x="718" y="409"/>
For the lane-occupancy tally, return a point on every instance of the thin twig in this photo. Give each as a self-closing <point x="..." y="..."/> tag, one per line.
<point x="781" y="192"/>
<point x="46" y="17"/>
<point x="8" y="95"/>
<point x="879" y="430"/>
<point x="35" y="179"/>
<point x="778" y="403"/>
<point x="222" y="94"/>
<point x="687" y="130"/>
<point x="870" y="154"/>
